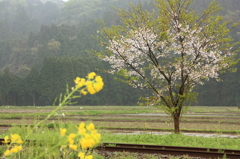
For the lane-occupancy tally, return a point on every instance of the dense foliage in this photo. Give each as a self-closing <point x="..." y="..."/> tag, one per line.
<point x="43" y="47"/>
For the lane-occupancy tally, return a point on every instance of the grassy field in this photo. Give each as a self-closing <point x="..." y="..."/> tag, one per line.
<point x="110" y="120"/>
<point x="202" y="119"/>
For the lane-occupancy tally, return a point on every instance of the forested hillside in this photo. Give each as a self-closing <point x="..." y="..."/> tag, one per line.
<point x="43" y="47"/>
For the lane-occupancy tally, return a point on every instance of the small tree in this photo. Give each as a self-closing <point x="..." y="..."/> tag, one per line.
<point x="169" y="51"/>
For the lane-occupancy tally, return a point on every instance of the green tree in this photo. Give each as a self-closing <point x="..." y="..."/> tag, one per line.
<point x="7" y="83"/>
<point x="54" y="46"/>
<point x="47" y="81"/>
<point x="32" y="84"/>
<point x="169" y="52"/>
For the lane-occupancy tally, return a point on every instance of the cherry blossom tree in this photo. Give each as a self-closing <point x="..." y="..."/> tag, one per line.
<point x="169" y="50"/>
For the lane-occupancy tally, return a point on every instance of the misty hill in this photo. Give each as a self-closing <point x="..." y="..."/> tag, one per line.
<point x="28" y="15"/>
<point x="23" y="16"/>
<point x="33" y="30"/>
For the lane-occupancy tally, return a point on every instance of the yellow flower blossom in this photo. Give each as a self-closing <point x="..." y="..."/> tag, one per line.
<point x="94" y="131"/>
<point x="19" y="148"/>
<point x="87" y="137"/>
<point x="6" y="139"/>
<point x="81" y="83"/>
<point x="81" y="155"/>
<point x="88" y="83"/>
<point x="83" y="91"/>
<point x="87" y="142"/>
<point x="72" y="135"/>
<point x="14" y="150"/>
<point x="98" y="79"/>
<point x="82" y="125"/>
<point x="97" y="87"/>
<point x="91" y="75"/>
<point x="77" y="80"/>
<point x="89" y="157"/>
<point x="72" y="146"/>
<point x="93" y="84"/>
<point x="81" y="131"/>
<point x="71" y="141"/>
<point x="19" y="141"/>
<point x="63" y="131"/>
<point x="15" y="138"/>
<point x="90" y="127"/>
<point x="90" y="89"/>
<point x="7" y="153"/>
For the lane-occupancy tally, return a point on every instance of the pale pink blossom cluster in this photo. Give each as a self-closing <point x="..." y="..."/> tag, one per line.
<point x="186" y="52"/>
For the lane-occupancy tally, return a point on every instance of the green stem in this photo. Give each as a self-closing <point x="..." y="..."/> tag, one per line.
<point x="52" y="113"/>
<point x="52" y="148"/>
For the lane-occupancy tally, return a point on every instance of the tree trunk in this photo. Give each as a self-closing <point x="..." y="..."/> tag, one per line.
<point x="33" y="98"/>
<point x="176" y="123"/>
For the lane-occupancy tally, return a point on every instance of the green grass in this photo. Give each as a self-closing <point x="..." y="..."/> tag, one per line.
<point x="173" y="140"/>
<point x="123" y="111"/>
<point x="171" y="130"/>
<point x="46" y="138"/>
<point x="212" y="109"/>
<point x="52" y="135"/>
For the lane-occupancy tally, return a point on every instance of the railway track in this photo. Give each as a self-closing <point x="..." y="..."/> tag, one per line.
<point x="212" y="153"/>
<point x="199" y="152"/>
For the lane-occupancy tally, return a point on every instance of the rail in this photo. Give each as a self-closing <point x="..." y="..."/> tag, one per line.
<point x="166" y="150"/>
<point x="172" y="150"/>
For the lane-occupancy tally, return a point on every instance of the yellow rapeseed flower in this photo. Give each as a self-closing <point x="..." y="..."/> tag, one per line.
<point x="19" y="141"/>
<point x="89" y="157"/>
<point x="72" y="146"/>
<point x="77" y="80"/>
<point x="83" y="91"/>
<point x="90" y="89"/>
<point x="19" y="148"/>
<point x="97" y="87"/>
<point x="81" y="155"/>
<point x="97" y="84"/>
<point x="93" y="84"/>
<point x="15" y="138"/>
<point x="87" y="142"/>
<point x="81" y="131"/>
<point x="98" y="79"/>
<point x="63" y="131"/>
<point x="94" y="131"/>
<point x="7" y="153"/>
<point x="90" y="127"/>
<point x="88" y="83"/>
<point x="71" y="137"/>
<point x="71" y="141"/>
<point x="82" y="125"/>
<point x="14" y="150"/>
<point x="81" y="83"/>
<point x="91" y="75"/>
<point x="6" y="140"/>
